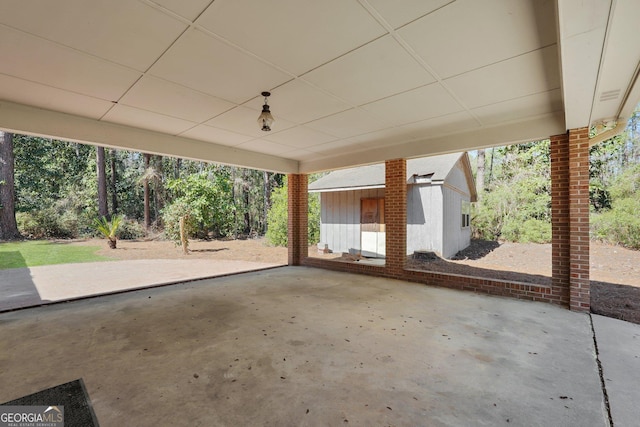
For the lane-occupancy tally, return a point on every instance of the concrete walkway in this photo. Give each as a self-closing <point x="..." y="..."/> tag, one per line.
<point x="27" y="287"/>
<point x="302" y="346"/>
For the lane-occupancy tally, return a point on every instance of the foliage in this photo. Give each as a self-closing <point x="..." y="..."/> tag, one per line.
<point x="207" y="196"/>
<point x="35" y="253"/>
<point x="620" y="225"/>
<point x="517" y="203"/>
<point x="171" y="218"/>
<point x="131" y="230"/>
<point x="47" y="224"/>
<point x="108" y="228"/>
<point x="277" y="219"/>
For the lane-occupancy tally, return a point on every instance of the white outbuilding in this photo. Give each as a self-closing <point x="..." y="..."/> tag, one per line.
<point x="440" y="190"/>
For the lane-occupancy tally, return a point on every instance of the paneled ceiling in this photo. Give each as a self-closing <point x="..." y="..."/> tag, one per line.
<point x="352" y="82"/>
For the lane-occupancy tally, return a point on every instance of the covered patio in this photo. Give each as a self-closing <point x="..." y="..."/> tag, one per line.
<point x="351" y="83"/>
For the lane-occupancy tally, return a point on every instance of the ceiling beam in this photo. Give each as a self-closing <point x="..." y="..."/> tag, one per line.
<point x="513" y="133"/>
<point x="18" y="118"/>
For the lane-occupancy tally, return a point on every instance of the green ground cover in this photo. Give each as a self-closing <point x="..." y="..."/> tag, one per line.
<point x="39" y="252"/>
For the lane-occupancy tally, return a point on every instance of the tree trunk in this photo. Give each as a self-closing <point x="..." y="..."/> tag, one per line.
<point x="267" y="199"/>
<point x="245" y="194"/>
<point x="178" y="167"/>
<point x="480" y="174"/>
<point x="147" y="208"/>
<point x="103" y="210"/>
<point x="8" y="225"/>
<point x="114" y="181"/>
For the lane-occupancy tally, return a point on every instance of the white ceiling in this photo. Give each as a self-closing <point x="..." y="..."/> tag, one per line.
<point x="352" y="82"/>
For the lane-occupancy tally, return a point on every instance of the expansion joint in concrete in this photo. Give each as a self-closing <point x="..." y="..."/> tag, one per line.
<point x="605" y="395"/>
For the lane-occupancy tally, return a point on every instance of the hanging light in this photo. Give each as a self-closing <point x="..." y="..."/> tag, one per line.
<point x="266" y="119"/>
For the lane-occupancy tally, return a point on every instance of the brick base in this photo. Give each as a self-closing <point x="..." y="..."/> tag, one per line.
<point x="570" y="232"/>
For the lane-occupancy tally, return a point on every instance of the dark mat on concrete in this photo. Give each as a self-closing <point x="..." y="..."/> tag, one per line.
<point x="72" y="395"/>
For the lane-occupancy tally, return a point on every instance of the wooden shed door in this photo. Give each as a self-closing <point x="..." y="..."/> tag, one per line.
<point x="372" y="230"/>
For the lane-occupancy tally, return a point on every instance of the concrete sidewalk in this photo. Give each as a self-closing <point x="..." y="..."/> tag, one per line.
<point x="302" y="346"/>
<point x="27" y="287"/>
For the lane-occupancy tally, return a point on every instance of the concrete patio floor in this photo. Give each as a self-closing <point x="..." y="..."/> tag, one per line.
<point x="301" y="346"/>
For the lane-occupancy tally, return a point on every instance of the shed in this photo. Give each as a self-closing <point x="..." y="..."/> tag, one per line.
<point x="439" y="192"/>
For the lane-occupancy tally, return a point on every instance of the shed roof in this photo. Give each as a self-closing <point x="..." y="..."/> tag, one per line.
<point x="373" y="176"/>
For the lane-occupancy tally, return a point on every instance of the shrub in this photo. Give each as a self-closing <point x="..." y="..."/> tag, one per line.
<point x="619" y="226"/>
<point x="278" y="216"/>
<point x="131" y="230"/>
<point x="47" y="224"/>
<point x="171" y="217"/>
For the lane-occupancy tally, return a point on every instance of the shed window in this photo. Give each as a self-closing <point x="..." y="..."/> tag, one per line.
<point x="466" y="213"/>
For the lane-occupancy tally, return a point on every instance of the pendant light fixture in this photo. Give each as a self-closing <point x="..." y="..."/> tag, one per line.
<point x="266" y="119"/>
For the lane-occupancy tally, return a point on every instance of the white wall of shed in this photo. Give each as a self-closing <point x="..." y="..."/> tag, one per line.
<point x="424" y="218"/>
<point x="340" y="218"/>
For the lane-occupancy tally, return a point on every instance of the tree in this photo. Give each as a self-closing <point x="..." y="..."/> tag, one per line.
<point x="103" y="210"/>
<point x="8" y="224"/>
<point x="147" y="198"/>
<point x="480" y="173"/>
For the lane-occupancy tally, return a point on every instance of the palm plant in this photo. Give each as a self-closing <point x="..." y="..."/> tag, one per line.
<point x="109" y="228"/>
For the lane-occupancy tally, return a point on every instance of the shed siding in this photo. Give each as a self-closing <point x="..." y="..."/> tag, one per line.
<point x="424" y="218"/>
<point x="340" y="218"/>
<point x="458" y="237"/>
<point x="456" y="179"/>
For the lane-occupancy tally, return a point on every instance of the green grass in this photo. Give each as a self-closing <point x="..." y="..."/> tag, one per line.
<point x="34" y="253"/>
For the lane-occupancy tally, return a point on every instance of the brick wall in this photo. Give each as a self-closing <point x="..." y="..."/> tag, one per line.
<point x="560" y="259"/>
<point x="579" y="219"/>
<point x="395" y="212"/>
<point x="570" y="232"/>
<point x="297" y="218"/>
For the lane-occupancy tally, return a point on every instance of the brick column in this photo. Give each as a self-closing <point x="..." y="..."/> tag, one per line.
<point x="395" y="207"/>
<point x="579" y="285"/>
<point x="297" y="218"/>
<point x="560" y="233"/>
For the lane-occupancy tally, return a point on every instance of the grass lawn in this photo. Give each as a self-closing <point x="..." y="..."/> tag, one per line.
<point x="42" y="252"/>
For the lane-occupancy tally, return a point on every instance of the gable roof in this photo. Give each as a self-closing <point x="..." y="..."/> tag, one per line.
<point x="373" y="176"/>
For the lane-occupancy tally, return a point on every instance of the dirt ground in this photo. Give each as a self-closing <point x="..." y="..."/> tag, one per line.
<point x="615" y="271"/>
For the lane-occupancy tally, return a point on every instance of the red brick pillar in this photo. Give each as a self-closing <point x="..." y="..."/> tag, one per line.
<point x="298" y="218"/>
<point x="560" y="232"/>
<point x="579" y="285"/>
<point x="395" y="212"/>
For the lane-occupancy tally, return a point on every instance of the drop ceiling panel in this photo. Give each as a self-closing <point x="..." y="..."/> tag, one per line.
<point x="409" y="11"/>
<point x="520" y="108"/>
<point x="348" y="123"/>
<point x="524" y="75"/>
<point x="244" y="121"/>
<point x="164" y="97"/>
<point x="187" y="9"/>
<point x="124" y="115"/>
<point x="127" y="32"/>
<point x="295" y="35"/>
<point x="469" y="34"/>
<point x="298" y="102"/>
<point x="215" y="135"/>
<point x="377" y="70"/>
<point x="37" y="95"/>
<point x="41" y="61"/>
<point x="418" y="104"/>
<point x="216" y="69"/>
<point x="299" y="137"/>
